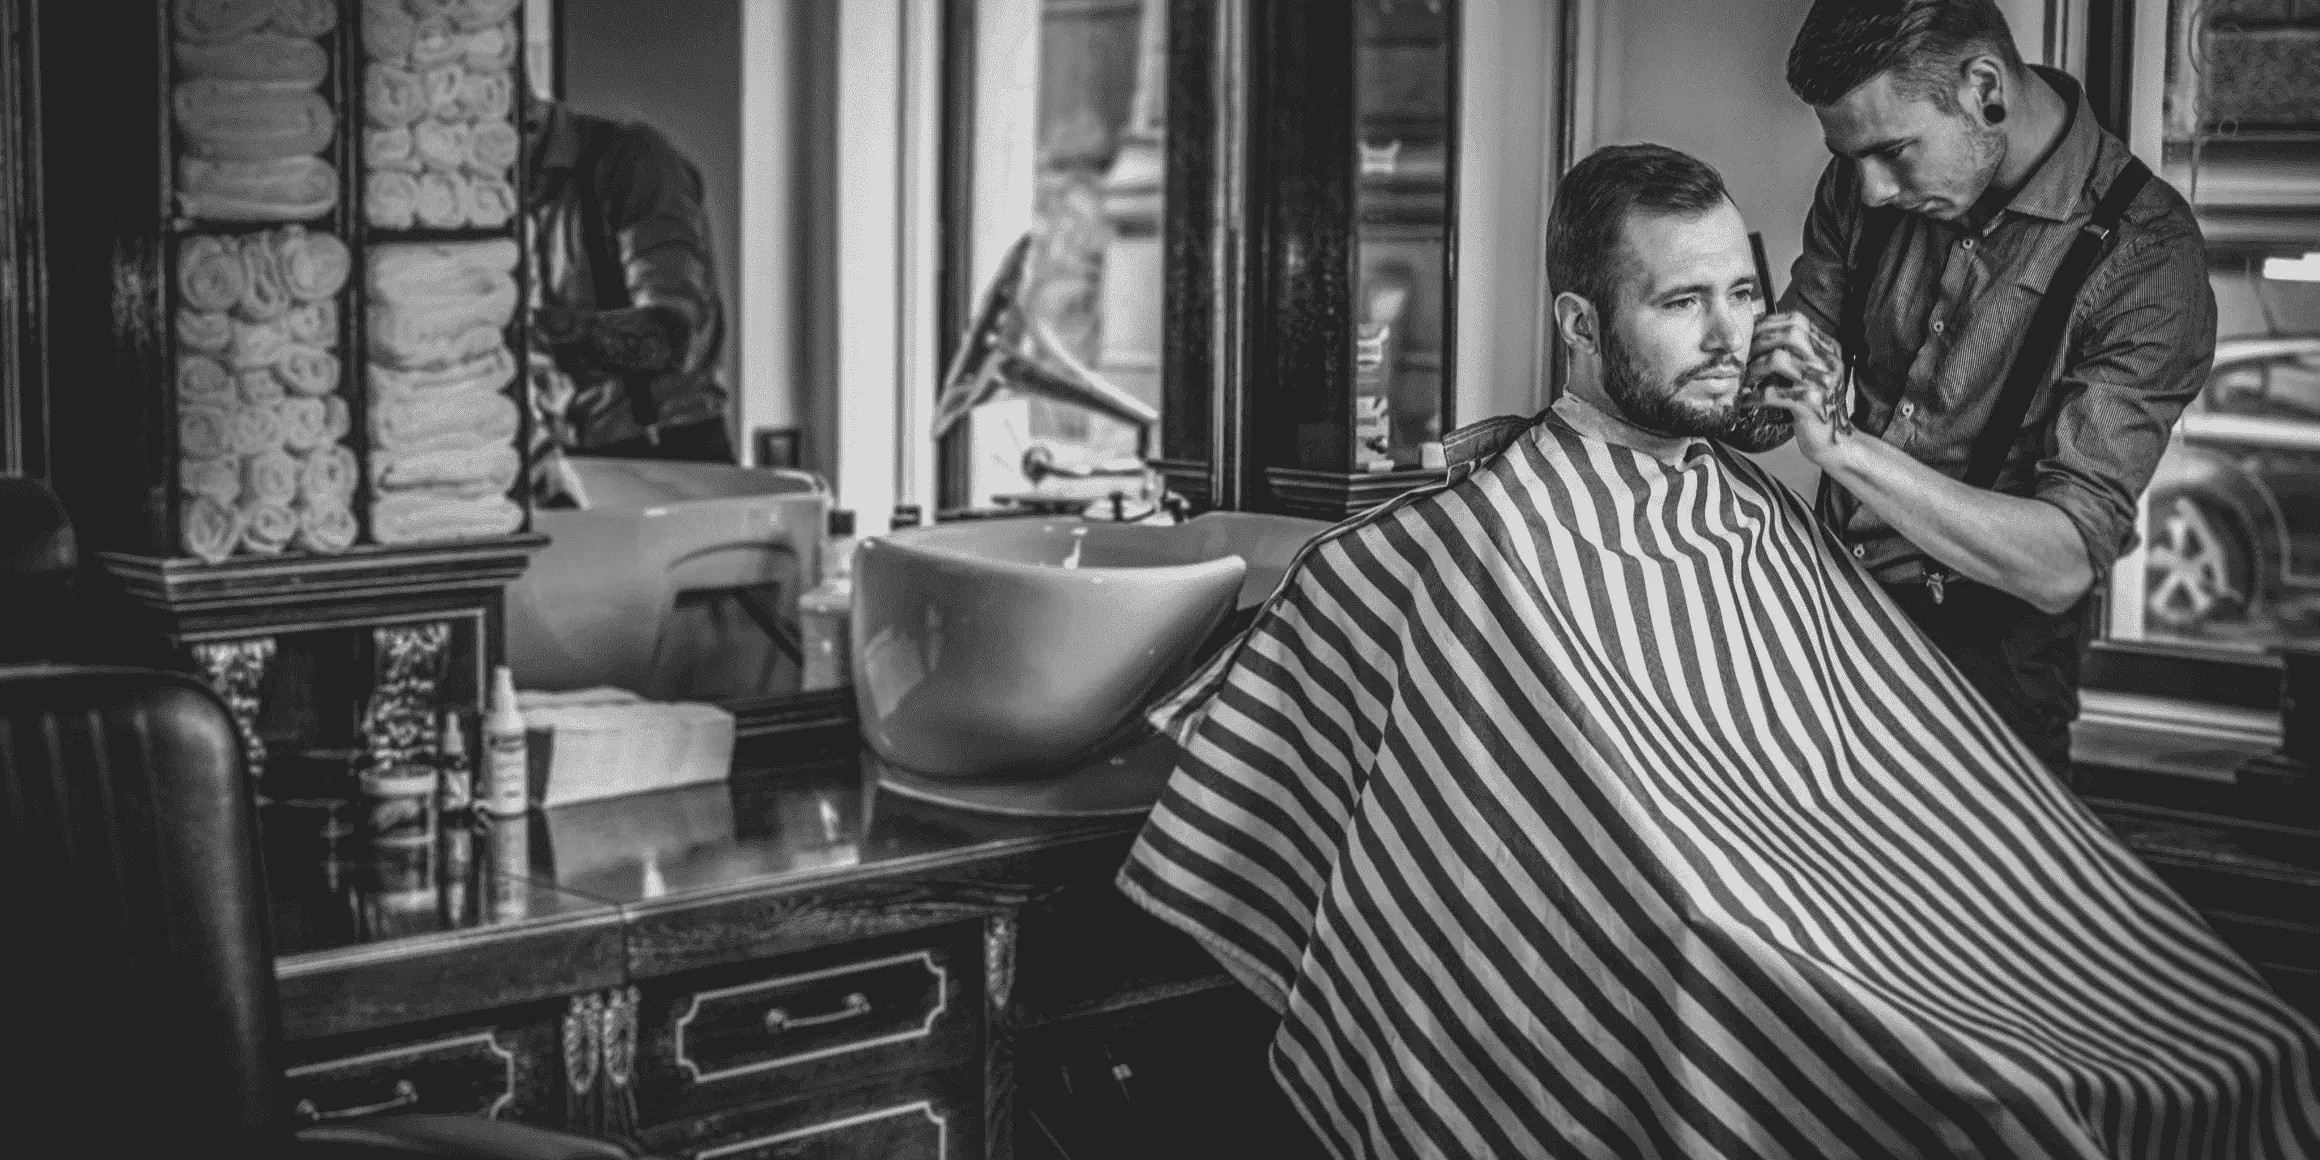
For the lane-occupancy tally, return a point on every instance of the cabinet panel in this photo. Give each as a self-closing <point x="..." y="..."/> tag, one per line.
<point x="739" y="1035"/>
<point x="928" y="1116"/>
<point x="503" y="1065"/>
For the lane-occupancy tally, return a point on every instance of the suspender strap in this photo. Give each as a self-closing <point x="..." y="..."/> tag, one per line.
<point x="2044" y="335"/>
<point x="1877" y="226"/>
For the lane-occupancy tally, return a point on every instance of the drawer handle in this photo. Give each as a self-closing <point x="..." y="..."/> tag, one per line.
<point x="406" y="1094"/>
<point x="778" y="1019"/>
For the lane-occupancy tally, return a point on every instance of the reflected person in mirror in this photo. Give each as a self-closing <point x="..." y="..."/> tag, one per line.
<point x="2010" y="309"/>
<point x="627" y="325"/>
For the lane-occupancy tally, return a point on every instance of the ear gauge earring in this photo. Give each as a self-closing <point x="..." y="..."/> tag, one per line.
<point x="1994" y="113"/>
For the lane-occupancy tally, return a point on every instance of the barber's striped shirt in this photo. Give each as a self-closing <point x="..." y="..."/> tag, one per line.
<point x="1594" y="805"/>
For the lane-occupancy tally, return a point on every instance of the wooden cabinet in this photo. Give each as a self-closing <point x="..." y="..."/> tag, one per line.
<point x="767" y="1030"/>
<point x="506" y="1064"/>
<point x="925" y="1116"/>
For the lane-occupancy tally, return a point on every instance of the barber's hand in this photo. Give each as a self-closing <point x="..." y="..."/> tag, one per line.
<point x="1798" y="368"/>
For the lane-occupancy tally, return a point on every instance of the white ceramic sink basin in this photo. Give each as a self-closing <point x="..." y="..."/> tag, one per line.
<point x="1008" y="649"/>
<point x="599" y="604"/>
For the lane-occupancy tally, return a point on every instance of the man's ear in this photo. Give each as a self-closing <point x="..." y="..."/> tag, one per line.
<point x="1984" y="85"/>
<point x="1576" y="321"/>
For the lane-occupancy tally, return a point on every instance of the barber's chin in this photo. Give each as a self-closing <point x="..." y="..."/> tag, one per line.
<point x="1711" y="390"/>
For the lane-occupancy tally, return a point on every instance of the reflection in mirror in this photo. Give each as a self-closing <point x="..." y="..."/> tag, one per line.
<point x="1402" y="201"/>
<point x="1067" y="159"/>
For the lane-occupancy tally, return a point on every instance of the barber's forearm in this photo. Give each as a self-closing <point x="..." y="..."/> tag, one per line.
<point x="2022" y="546"/>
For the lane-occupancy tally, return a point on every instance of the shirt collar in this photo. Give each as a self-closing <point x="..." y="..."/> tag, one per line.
<point x="2056" y="186"/>
<point x="1596" y="423"/>
<point x="560" y="148"/>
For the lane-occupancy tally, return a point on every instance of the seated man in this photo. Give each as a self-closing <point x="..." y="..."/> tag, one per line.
<point x="1595" y="804"/>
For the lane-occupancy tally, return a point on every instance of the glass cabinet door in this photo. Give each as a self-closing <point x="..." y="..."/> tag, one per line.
<point x="1401" y="98"/>
<point x="2230" y="553"/>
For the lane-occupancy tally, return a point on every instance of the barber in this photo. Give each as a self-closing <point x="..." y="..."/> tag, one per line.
<point x="627" y="325"/>
<point x="1997" y="316"/>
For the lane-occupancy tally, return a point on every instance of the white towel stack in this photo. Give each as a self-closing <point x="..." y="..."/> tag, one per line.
<point x="442" y="428"/>
<point x="439" y="101"/>
<point x="251" y="117"/>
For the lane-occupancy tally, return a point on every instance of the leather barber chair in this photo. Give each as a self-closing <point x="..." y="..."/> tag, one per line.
<point x="139" y="977"/>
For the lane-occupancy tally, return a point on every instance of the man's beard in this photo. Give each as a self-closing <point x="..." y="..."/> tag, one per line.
<point x="1755" y="427"/>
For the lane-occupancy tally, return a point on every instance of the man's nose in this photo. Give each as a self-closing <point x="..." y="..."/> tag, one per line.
<point x="1877" y="185"/>
<point x="1731" y="324"/>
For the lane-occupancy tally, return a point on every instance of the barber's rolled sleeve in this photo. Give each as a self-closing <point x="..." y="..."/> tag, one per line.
<point x="1816" y="281"/>
<point x="2141" y="353"/>
<point x="656" y="212"/>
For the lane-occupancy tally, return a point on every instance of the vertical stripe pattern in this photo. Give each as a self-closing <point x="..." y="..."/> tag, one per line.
<point x="1589" y="806"/>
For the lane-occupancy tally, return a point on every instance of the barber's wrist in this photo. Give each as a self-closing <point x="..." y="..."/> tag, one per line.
<point x="1847" y="455"/>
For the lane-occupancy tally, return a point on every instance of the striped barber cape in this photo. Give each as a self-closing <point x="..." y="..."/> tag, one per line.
<point x="1591" y="805"/>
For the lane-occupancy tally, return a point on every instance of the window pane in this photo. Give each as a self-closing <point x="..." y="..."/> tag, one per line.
<point x="1088" y="305"/>
<point x="2231" y="527"/>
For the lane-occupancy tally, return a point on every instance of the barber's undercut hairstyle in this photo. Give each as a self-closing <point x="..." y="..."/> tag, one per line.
<point x="1846" y="43"/>
<point x="1586" y="224"/>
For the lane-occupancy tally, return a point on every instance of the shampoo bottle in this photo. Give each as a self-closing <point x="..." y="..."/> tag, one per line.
<point x="505" y="773"/>
<point x="824" y="613"/>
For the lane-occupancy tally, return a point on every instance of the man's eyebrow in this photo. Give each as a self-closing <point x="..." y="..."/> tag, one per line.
<point x="1694" y="288"/>
<point x="1879" y="147"/>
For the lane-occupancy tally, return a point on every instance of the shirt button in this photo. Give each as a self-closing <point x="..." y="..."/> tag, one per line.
<point x="1969" y="243"/>
<point x="1859" y="551"/>
<point x="1908" y="409"/>
<point x="1937" y="327"/>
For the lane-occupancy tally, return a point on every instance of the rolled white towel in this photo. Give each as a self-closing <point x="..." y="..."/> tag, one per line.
<point x="211" y="21"/>
<point x="270" y="476"/>
<point x="492" y="370"/>
<point x="267" y="528"/>
<point x="415" y="517"/>
<point x="258" y="387"/>
<point x="210" y="273"/>
<point x="210" y="528"/>
<point x="440" y="206"/>
<point x="475" y="14"/>
<point x="224" y="121"/>
<point x="306" y="19"/>
<point x="314" y="323"/>
<point x="313" y="265"/>
<point x="257" y="428"/>
<point x="406" y="423"/>
<point x="325" y="529"/>
<point x="490" y="49"/>
<point x="491" y="201"/>
<point x="440" y="144"/>
<point x="435" y="355"/>
<point x="486" y="96"/>
<point x="337" y="418"/>
<point x="492" y="148"/>
<point x="305" y="424"/>
<point x="307" y="370"/>
<point x="287" y="190"/>
<point x="401" y="331"/>
<point x="289" y="63"/>
<point x="433" y="42"/>
<point x="204" y="331"/>
<point x="392" y="97"/>
<point x="387" y="31"/>
<point x="202" y="379"/>
<point x="265" y="297"/>
<point x="465" y="470"/>
<point x="402" y="270"/>
<point x="218" y="477"/>
<point x="327" y="475"/>
<point x="391" y="200"/>
<point x="257" y="344"/>
<point x="443" y="83"/>
<point x="392" y="150"/>
<point x="204" y="432"/>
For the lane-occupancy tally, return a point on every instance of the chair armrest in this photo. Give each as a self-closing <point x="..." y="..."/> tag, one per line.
<point x="441" y="1137"/>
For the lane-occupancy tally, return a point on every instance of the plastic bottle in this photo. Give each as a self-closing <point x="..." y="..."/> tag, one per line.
<point x="455" y="805"/>
<point x="457" y="794"/>
<point x="505" y="773"/>
<point x="824" y="612"/>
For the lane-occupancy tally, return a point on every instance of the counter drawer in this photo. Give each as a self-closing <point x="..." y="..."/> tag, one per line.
<point x="928" y="1116"/>
<point x="771" y="1029"/>
<point x="467" y="1074"/>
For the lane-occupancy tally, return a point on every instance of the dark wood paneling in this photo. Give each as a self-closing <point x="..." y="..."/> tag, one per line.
<point x="362" y="989"/>
<point x="23" y="276"/>
<point x="506" y="1064"/>
<point x="704" y="1043"/>
<point x="1196" y="245"/>
<point x="928" y="1116"/>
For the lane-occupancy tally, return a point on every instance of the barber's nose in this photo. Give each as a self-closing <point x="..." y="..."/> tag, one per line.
<point x="1730" y="324"/>
<point x="1877" y="185"/>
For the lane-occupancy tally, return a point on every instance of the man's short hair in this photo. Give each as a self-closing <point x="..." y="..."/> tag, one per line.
<point x="1586" y="223"/>
<point x="1846" y="43"/>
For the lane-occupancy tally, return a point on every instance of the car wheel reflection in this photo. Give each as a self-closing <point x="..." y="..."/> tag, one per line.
<point x="2199" y="564"/>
